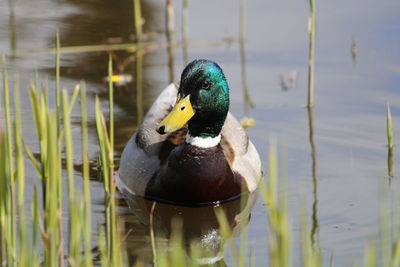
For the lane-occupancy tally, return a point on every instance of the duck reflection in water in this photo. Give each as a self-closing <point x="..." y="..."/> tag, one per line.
<point x="195" y="225"/>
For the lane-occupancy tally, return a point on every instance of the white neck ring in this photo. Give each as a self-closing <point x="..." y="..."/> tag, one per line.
<point x="203" y="142"/>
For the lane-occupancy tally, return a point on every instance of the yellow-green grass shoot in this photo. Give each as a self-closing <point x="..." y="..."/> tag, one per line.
<point x="73" y="208"/>
<point x="279" y="236"/>
<point x="384" y="250"/>
<point x="85" y="173"/>
<point x="111" y="106"/>
<point x="34" y="259"/>
<point x="58" y="92"/>
<point x="138" y="21"/>
<point x="226" y="231"/>
<point x="173" y="253"/>
<point x="48" y="166"/>
<point x="52" y="235"/>
<point x="389" y="126"/>
<point x="310" y="254"/>
<point x="24" y="253"/>
<point x="9" y="200"/>
<point x="370" y="259"/>
<point x="51" y="143"/>
<point x="139" y="86"/>
<point x="49" y="171"/>
<point x="103" y="248"/>
<point x="5" y="220"/>
<point x="114" y="255"/>
<point x="176" y="241"/>
<point x="152" y="237"/>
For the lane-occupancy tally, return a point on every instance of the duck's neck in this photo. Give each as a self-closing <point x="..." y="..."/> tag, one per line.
<point x="206" y="126"/>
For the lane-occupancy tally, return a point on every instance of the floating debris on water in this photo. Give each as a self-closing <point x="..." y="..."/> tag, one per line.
<point x="354" y="51"/>
<point x="120" y="79"/>
<point x="288" y="81"/>
<point x="247" y="122"/>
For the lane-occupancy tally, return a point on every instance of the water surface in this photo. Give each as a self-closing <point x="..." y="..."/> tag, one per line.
<point x="350" y="176"/>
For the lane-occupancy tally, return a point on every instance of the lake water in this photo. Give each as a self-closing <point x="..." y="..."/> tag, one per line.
<point x="344" y="192"/>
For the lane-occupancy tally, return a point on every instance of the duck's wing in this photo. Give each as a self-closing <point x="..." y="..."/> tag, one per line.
<point x="147" y="137"/>
<point x="141" y="156"/>
<point x="241" y="153"/>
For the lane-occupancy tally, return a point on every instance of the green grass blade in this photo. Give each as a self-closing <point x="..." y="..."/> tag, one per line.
<point x="396" y="254"/>
<point x="279" y="237"/>
<point x="8" y="117"/>
<point x="103" y="249"/>
<point x="85" y="173"/>
<point x="73" y="97"/>
<point x="35" y="224"/>
<point x="176" y="242"/>
<point x="33" y="160"/>
<point x="23" y="242"/>
<point x="226" y="232"/>
<point x="389" y="126"/>
<point x="58" y="89"/>
<point x="10" y="202"/>
<point x="3" y="195"/>
<point x="152" y="237"/>
<point x="138" y="22"/>
<point x="111" y="104"/>
<point x="73" y="212"/>
<point x="103" y="142"/>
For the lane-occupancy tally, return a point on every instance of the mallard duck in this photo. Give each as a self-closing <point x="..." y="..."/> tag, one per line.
<point x="195" y="154"/>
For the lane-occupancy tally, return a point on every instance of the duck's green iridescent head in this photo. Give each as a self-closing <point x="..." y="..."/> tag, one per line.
<point x="203" y="101"/>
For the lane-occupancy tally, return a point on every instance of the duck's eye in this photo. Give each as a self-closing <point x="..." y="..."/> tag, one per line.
<point x="183" y="108"/>
<point x="206" y="85"/>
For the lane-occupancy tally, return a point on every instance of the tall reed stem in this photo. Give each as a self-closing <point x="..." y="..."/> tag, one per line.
<point x="170" y="22"/>
<point x="139" y="61"/>
<point x="85" y="174"/>
<point x="311" y="31"/>
<point x="185" y="31"/>
<point x="137" y="20"/>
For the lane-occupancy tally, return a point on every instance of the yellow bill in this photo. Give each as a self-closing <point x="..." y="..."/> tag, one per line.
<point x="178" y="117"/>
